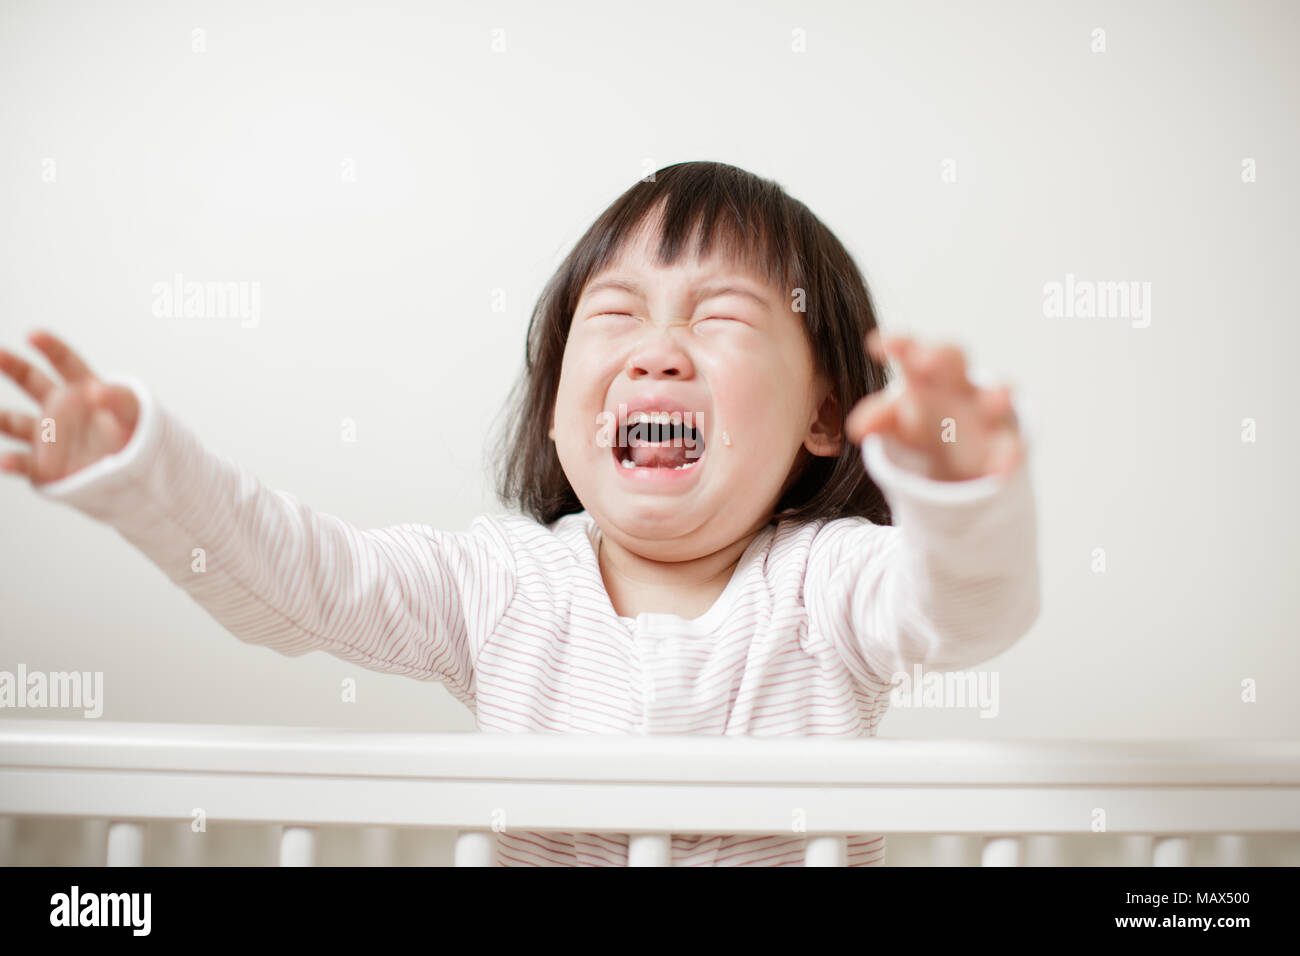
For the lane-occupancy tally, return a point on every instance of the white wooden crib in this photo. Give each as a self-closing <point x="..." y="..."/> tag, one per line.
<point x="995" y="803"/>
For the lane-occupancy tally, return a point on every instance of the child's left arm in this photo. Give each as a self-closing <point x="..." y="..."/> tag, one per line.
<point x="954" y="581"/>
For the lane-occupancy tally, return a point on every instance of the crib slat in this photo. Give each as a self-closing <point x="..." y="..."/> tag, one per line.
<point x="92" y="841"/>
<point x="1172" y="851"/>
<point x="1136" y="849"/>
<point x="1045" y="850"/>
<point x="298" y="846"/>
<point x="377" y="846"/>
<point x="476" y="848"/>
<point x="1001" y="851"/>
<point x="826" y="851"/>
<point x="1231" y="850"/>
<point x="954" y="849"/>
<point x="187" y="845"/>
<point x="649" y="849"/>
<point x="8" y="841"/>
<point x="125" y="844"/>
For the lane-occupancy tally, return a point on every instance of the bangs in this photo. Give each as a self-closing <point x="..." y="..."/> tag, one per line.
<point x="696" y="210"/>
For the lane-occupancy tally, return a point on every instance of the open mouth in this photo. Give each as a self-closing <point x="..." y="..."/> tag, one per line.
<point x="658" y="441"/>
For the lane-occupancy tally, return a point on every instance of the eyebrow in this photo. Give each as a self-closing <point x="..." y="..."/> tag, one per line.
<point x="706" y="291"/>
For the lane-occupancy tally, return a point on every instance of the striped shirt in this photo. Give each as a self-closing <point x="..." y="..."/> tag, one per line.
<point x="513" y="618"/>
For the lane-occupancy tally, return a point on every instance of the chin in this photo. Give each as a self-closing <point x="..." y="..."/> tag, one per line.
<point x="650" y="520"/>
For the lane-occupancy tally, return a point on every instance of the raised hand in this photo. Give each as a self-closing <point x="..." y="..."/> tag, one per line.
<point x="964" y="431"/>
<point x="81" y="419"/>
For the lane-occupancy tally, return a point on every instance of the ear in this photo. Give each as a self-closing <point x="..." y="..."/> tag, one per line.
<point x="551" y="432"/>
<point x="826" y="431"/>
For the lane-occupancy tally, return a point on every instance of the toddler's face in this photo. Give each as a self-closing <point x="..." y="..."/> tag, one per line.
<point x="711" y="341"/>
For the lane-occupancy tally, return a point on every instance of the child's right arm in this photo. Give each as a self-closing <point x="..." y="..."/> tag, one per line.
<point x="408" y="599"/>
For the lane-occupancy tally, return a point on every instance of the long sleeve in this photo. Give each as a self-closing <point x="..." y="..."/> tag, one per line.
<point x="953" y="582"/>
<point x="408" y="599"/>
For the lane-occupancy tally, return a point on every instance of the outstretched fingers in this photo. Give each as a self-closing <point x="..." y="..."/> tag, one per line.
<point x="996" y="407"/>
<point x="61" y="356"/>
<point x="883" y="348"/>
<point x="17" y="425"/>
<point x="1005" y="453"/>
<point x="26" y="376"/>
<point x="16" y="463"/>
<point x="878" y="412"/>
<point x="23" y="427"/>
<point x="921" y="364"/>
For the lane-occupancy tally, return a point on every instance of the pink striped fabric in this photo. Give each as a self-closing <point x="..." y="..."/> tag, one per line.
<point x="513" y="619"/>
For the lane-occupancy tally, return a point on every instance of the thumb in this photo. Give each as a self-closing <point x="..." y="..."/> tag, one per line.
<point x="118" y="400"/>
<point x="877" y="412"/>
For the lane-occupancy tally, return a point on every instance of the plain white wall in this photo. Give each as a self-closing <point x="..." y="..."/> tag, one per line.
<point x="129" y="157"/>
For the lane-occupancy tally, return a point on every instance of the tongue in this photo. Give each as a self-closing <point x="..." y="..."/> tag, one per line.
<point x="658" y="456"/>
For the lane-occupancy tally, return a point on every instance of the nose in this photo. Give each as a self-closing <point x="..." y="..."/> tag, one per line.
<point x="659" y="355"/>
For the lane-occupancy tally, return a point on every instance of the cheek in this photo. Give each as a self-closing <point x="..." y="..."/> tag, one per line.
<point x="579" y="398"/>
<point x="750" y="395"/>
<point x="583" y="364"/>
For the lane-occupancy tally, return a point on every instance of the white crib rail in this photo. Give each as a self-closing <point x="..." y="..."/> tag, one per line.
<point x="1013" y="796"/>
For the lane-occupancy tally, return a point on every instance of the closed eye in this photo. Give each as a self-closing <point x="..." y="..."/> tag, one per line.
<point x="722" y="319"/>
